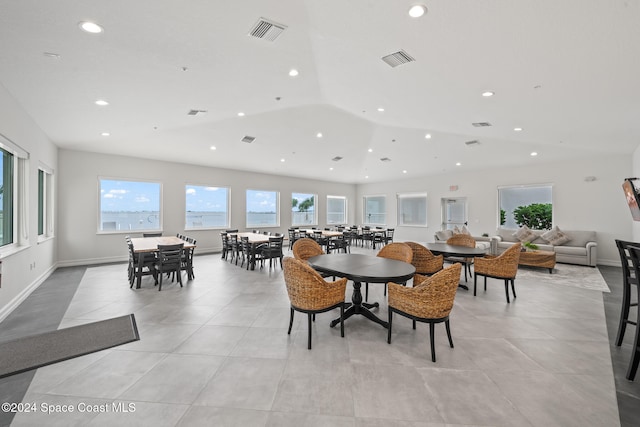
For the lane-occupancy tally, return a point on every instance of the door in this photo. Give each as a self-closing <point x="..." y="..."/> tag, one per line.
<point x="454" y="212"/>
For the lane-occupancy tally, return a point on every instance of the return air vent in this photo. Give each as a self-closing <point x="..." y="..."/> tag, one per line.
<point x="385" y="159"/>
<point x="481" y="124"/>
<point x="267" y="30"/>
<point x="472" y="143"/>
<point x="248" y="139"/>
<point x="337" y="158"/>
<point x="398" y="58"/>
<point x="196" y="112"/>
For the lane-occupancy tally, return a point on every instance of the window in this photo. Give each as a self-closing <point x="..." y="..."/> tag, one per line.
<point x="6" y="198"/>
<point x="129" y="206"/>
<point x="336" y="210"/>
<point x="206" y="207"/>
<point x="45" y="202"/>
<point x="375" y="210"/>
<point x="303" y="209"/>
<point x="412" y="209"/>
<point x="262" y="208"/>
<point x="529" y="205"/>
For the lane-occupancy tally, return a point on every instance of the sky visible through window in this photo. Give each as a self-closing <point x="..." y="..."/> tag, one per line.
<point x="261" y="201"/>
<point x="129" y="196"/>
<point x="206" y="199"/>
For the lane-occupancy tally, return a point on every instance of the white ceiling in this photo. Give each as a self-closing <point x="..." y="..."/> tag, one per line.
<point x="568" y="72"/>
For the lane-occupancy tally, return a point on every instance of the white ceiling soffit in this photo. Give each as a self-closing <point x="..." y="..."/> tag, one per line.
<point x="267" y="30"/>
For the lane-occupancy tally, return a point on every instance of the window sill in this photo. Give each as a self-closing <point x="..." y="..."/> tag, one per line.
<point x="5" y="253"/>
<point x="42" y="239"/>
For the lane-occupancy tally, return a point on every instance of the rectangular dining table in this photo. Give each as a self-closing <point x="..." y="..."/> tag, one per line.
<point x="146" y="245"/>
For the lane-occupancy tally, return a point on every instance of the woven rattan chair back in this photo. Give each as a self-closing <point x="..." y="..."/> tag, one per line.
<point x="504" y="266"/>
<point x="305" y="248"/>
<point x="398" y="251"/>
<point x="462" y="240"/>
<point x="423" y="260"/>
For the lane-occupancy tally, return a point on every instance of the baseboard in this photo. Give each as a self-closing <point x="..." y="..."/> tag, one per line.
<point x="15" y="302"/>
<point x="118" y="259"/>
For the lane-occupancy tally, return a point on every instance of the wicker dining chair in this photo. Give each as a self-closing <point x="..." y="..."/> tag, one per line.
<point x="503" y="266"/>
<point x="305" y="248"/>
<point x="425" y="262"/>
<point x="399" y="252"/>
<point x="462" y="240"/>
<point x="430" y="301"/>
<point x="310" y="293"/>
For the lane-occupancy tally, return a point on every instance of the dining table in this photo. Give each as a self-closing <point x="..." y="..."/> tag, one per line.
<point x="146" y="245"/>
<point x="361" y="268"/>
<point x="455" y="251"/>
<point x="255" y="240"/>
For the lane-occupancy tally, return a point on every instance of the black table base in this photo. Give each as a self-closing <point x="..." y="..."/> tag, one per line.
<point x="362" y="308"/>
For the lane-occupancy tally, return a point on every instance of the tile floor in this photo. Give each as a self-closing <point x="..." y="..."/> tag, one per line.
<point x="216" y="352"/>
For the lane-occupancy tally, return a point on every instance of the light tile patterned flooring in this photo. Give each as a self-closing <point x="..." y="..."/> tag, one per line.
<point x="216" y="352"/>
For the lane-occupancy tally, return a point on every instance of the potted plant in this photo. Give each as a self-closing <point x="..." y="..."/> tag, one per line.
<point x="528" y="246"/>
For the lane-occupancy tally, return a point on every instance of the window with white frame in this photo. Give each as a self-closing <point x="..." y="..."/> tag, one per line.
<point x="412" y="209"/>
<point x="206" y="207"/>
<point x="14" y="230"/>
<point x="45" y="202"/>
<point x="262" y="208"/>
<point x="336" y="210"/>
<point x="303" y="209"/>
<point x="127" y="206"/>
<point x="375" y="210"/>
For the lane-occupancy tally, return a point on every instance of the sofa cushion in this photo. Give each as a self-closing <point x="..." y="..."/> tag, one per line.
<point x="524" y="234"/>
<point x="507" y="235"/>
<point x="444" y="234"/>
<point x="461" y="230"/>
<point x="571" y="250"/>
<point x="556" y="237"/>
<point x="580" y="238"/>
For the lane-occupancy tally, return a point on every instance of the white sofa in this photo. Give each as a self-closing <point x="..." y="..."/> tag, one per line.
<point x="580" y="249"/>
<point x="481" y="241"/>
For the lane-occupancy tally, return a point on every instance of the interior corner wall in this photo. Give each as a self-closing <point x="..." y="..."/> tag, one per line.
<point x="577" y="204"/>
<point x="80" y="243"/>
<point x="26" y="268"/>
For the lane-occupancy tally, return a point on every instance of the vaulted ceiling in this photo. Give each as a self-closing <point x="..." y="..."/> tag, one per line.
<point x="566" y="72"/>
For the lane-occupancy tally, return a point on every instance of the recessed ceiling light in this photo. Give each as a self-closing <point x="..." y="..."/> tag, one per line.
<point x="517" y="129"/>
<point x="488" y="94"/>
<point x="293" y="72"/>
<point x="381" y="109"/>
<point x="428" y="136"/>
<point x="105" y="134"/>
<point x="533" y="154"/>
<point x="51" y="55"/>
<point x="213" y="147"/>
<point x="319" y="135"/>
<point x="366" y="177"/>
<point x="370" y="150"/>
<point x="458" y="164"/>
<point x="240" y="114"/>
<point x="404" y="171"/>
<point x="282" y="160"/>
<point x="330" y="169"/>
<point x="90" y="27"/>
<point x="101" y="102"/>
<point x="416" y="11"/>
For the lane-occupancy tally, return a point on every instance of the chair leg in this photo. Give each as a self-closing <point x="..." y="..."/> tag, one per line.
<point x="465" y="273"/>
<point x="475" y="283"/>
<point x="309" y="322"/>
<point x="635" y="351"/>
<point x="485" y="283"/>
<point x="446" y="325"/>
<point x="389" y="330"/>
<point x="433" y="344"/>
<point x="513" y="288"/>
<point x="414" y="324"/>
<point x="342" y="320"/>
<point x="366" y="291"/>
<point x="385" y="289"/>
<point x="506" y="289"/>
<point x="290" y="321"/>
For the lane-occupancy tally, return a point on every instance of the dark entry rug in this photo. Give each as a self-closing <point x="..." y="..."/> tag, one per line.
<point x="34" y="351"/>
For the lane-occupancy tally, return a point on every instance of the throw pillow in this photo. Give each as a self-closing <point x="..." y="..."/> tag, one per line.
<point x="555" y="237"/>
<point x="444" y="235"/>
<point x="524" y="234"/>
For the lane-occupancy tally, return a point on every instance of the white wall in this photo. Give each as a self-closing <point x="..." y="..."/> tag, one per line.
<point x="577" y="205"/>
<point x="79" y="242"/>
<point x="19" y="275"/>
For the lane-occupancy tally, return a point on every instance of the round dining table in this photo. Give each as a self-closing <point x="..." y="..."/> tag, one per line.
<point x="362" y="268"/>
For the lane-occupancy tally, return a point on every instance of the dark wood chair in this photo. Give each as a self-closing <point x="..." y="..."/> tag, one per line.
<point x="430" y="301"/>
<point x="170" y="261"/>
<point x="629" y="280"/>
<point x="634" y="360"/>
<point x="272" y="250"/>
<point x="309" y="293"/>
<point x="151" y="234"/>
<point x="136" y="269"/>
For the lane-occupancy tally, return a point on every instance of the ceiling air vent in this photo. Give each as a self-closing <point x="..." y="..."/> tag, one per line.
<point x="398" y="58"/>
<point x="385" y="159"/>
<point x="267" y="30"/>
<point x="472" y="143"/>
<point x="196" y="112"/>
<point x="248" y="139"/>
<point x="481" y="124"/>
<point x="337" y="158"/>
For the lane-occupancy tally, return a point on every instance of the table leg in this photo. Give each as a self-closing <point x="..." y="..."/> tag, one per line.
<point x="139" y="272"/>
<point x="359" y="307"/>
